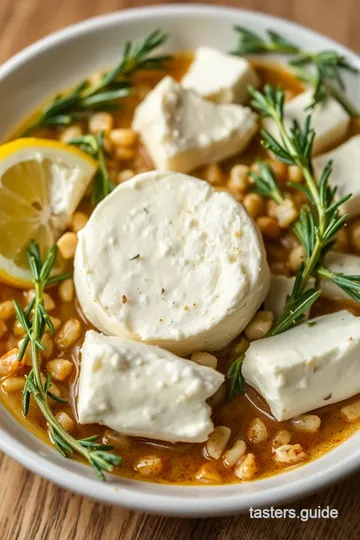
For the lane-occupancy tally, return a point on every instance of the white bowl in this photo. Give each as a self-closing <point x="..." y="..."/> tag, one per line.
<point x="55" y="63"/>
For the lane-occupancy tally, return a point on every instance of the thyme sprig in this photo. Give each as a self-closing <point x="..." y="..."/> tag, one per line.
<point x="94" y="146"/>
<point x="319" y="221"/>
<point x="326" y="76"/>
<point x="35" y="320"/>
<point x="113" y="85"/>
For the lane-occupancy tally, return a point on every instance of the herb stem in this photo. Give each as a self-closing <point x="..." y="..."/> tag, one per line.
<point x="39" y="392"/>
<point x="35" y="332"/>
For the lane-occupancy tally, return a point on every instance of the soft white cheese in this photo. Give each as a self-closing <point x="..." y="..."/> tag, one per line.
<point x="144" y="391"/>
<point x="168" y="260"/>
<point x="220" y="77"/>
<point x="314" y="364"/>
<point x="280" y="288"/>
<point x="345" y="264"/>
<point x="182" y="131"/>
<point x="329" y="120"/>
<point x="345" y="175"/>
<point x="67" y="187"/>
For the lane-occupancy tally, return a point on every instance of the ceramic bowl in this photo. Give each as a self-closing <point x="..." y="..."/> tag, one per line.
<point x="59" y="61"/>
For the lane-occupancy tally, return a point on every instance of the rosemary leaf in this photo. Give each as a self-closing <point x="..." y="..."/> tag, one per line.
<point x="23" y="348"/>
<point x="47" y="382"/>
<point x="57" y="278"/>
<point x="26" y="396"/>
<point x="57" y="398"/>
<point x="95" y="446"/>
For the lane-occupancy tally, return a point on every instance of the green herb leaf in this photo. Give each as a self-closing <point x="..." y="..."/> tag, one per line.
<point x="265" y="182"/>
<point x="234" y="374"/>
<point x="295" y="308"/>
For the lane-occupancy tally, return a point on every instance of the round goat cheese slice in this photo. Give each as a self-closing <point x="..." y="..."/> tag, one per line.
<point x="167" y="260"/>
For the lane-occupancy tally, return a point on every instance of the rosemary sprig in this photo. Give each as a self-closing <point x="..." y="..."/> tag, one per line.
<point x="35" y="320"/>
<point x="252" y="43"/>
<point x="328" y="66"/>
<point x="320" y="222"/>
<point x="112" y="85"/>
<point x="94" y="146"/>
<point x="305" y="228"/>
<point x="317" y="225"/>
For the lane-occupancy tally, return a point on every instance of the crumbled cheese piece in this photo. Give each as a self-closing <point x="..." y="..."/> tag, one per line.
<point x="182" y="131"/>
<point x="144" y="391"/>
<point x="220" y="77"/>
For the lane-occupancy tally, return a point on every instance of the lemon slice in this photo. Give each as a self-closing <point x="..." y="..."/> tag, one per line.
<point x="41" y="184"/>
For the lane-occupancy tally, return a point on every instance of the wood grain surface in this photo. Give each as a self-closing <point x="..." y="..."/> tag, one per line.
<point x="35" y="509"/>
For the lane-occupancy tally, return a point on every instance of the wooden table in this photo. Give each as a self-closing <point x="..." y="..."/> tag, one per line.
<point x="33" y="508"/>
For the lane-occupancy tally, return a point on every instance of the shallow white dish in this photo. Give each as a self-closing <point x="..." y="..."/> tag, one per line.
<point x="60" y="60"/>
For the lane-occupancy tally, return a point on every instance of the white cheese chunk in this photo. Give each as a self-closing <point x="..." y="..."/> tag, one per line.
<point x="343" y="263"/>
<point x="314" y="364"/>
<point x="144" y="391"/>
<point x="168" y="260"/>
<point x="345" y="175"/>
<point x="67" y="187"/>
<point x="280" y="288"/>
<point x="182" y="131"/>
<point x="220" y="77"/>
<point x="329" y="120"/>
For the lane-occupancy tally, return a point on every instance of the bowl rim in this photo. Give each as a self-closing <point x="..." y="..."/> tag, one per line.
<point x="165" y="503"/>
